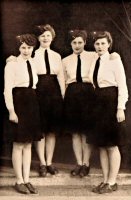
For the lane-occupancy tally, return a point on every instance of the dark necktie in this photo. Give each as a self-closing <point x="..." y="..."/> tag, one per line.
<point x="47" y="62"/>
<point x="30" y="74"/>
<point x="97" y="65"/>
<point x="78" y="72"/>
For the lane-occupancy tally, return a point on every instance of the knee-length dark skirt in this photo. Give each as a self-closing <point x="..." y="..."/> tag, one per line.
<point x="78" y="104"/>
<point x="27" y="109"/>
<point x="106" y="131"/>
<point x="51" y="103"/>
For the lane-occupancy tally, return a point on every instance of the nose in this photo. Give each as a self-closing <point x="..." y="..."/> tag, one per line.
<point x="45" y="37"/>
<point x="26" y="50"/>
<point x="77" y="45"/>
<point x="99" y="46"/>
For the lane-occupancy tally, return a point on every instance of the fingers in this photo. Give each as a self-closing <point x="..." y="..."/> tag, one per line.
<point x="14" y="119"/>
<point x="121" y="119"/>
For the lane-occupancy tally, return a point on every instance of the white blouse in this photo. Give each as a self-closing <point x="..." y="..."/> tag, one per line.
<point x="16" y="75"/>
<point x="111" y="73"/>
<point x="55" y="65"/>
<point x="70" y="66"/>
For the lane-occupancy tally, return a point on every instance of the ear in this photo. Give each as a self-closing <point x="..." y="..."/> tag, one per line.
<point x="114" y="56"/>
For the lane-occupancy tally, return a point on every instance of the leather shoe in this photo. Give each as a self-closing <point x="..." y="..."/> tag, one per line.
<point x="84" y="171"/>
<point x="42" y="171"/>
<point x="52" y="170"/>
<point x="98" y="187"/>
<point x="76" y="170"/>
<point x="21" y="188"/>
<point x="107" y="188"/>
<point x="31" y="188"/>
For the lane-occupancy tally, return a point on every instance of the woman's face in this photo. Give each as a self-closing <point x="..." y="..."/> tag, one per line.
<point x="78" y="45"/>
<point x="26" y="50"/>
<point x="101" y="46"/>
<point x="45" y="39"/>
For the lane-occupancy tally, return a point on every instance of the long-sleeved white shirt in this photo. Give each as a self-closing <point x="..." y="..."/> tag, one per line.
<point x="16" y="75"/>
<point x="55" y="65"/>
<point x="70" y="66"/>
<point x="111" y="73"/>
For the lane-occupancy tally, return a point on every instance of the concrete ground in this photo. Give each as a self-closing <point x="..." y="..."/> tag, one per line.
<point x="63" y="186"/>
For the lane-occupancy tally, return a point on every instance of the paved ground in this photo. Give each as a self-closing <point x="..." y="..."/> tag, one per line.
<point x="69" y="191"/>
<point x="63" y="187"/>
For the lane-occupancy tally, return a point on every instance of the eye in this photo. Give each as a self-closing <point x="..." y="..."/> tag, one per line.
<point x="97" y="43"/>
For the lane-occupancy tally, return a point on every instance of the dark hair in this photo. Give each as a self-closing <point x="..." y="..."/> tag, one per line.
<point x="29" y="39"/>
<point x="77" y="33"/>
<point x="42" y="28"/>
<point x="103" y="34"/>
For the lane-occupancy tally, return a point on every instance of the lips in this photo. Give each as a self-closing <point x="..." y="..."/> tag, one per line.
<point x="77" y="49"/>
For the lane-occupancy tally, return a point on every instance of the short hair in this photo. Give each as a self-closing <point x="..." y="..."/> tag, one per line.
<point x="103" y="34"/>
<point x="42" y="28"/>
<point x="77" y="33"/>
<point x="29" y="39"/>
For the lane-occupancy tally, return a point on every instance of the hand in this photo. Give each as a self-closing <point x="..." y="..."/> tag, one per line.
<point x="120" y="115"/>
<point x="11" y="58"/>
<point x="13" y="117"/>
<point x="114" y="56"/>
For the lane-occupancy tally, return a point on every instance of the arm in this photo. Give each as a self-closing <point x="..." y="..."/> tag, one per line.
<point x="9" y="84"/>
<point x="122" y="90"/>
<point x="65" y="73"/>
<point x="61" y="79"/>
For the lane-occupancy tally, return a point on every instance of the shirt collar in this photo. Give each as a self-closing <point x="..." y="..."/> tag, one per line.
<point x="43" y="49"/>
<point x="105" y="56"/>
<point x="21" y="59"/>
<point x="81" y="54"/>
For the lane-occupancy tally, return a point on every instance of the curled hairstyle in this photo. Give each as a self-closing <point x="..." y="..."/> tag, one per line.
<point x="77" y="33"/>
<point x="103" y="34"/>
<point x="29" y="39"/>
<point x="42" y="28"/>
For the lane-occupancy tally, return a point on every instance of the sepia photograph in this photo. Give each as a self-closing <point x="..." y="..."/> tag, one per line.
<point x="65" y="100"/>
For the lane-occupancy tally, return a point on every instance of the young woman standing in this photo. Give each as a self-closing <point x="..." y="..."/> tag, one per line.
<point x="50" y="92"/>
<point x="78" y="99"/>
<point x="111" y="95"/>
<point x="22" y="104"/>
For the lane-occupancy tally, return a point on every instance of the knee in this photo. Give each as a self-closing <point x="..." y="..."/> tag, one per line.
<point x="50" y="135"/>
<point x="112" y="149"/>
<point x="18" y="146"/>
<point x="27" y="146"/>
<point x="76" y="136"/>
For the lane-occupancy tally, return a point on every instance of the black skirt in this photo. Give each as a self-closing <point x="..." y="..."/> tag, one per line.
<point x="106" y="131"/>
<point x="78" y="103"/>
<point x="51" y="103"/>
<point x="27" y="109"/>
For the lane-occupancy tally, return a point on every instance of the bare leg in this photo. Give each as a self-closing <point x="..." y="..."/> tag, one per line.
<point x="104" y="163"/>
<point x="77" y="147"/>
<point x="40" y="149"/>
<point x="17" y="161"/>
<point x="86" y="148"/>
<point x="114" y="162"/>
<point x="50" y="146"/>
<point x="26" y="161"/>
